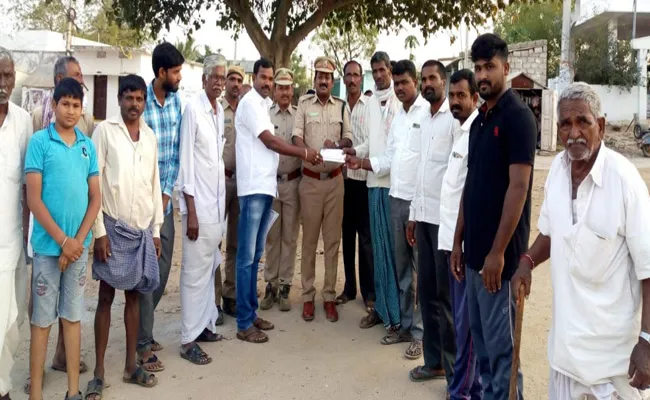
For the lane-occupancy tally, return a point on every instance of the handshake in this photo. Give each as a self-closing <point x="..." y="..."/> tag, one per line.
<point x="351" y="159"/>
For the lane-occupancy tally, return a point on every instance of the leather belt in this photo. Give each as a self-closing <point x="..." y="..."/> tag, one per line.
<point x="322" y="176"/>
<point x="230" y="173"/>
<point x="295" y="174"/>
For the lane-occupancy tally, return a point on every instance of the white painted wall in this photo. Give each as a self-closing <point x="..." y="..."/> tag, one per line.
<point x="618" y="104"/>
<point x="591" y="8"/>
<point x="89" y="96"/>
<point x="111" y="96"/>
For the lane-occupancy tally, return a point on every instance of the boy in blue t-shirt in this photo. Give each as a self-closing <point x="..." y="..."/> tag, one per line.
<point x="63" y="194"/>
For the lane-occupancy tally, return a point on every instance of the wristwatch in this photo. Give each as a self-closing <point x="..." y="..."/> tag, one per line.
<point x="645" y="336"/>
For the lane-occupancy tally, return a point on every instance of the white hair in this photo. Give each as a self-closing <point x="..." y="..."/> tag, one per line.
<point x="5" y="55"/>
<point x="584" y="92"/>
<point x="212" y="61"/>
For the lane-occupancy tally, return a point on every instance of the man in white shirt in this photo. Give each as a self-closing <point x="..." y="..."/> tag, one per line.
<point x="435" y="142"/>
<point x="15" y="130"/>
<point x="282" y="241"/>
<point x="463" y="98"/>
<point x="201" y="181"/>
<point x="594" y="226"/>
<point x="257" y="167"/>
<point x="356" y="214"/>
<point x="381" y="108"/>
<point x="401" y="160"/>
<point x="127" y="228"/>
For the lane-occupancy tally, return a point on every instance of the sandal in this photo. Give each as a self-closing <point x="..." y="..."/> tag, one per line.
<point x="141" y="378"/>
<point x="63" y="368"/>
<point x="395" y="337"/>
<point x="196" y="355"/>
<point x="263" y="325"/>
<point x="369" y="320"/>
<point x="75" y="397"/>
<point x="422" y="374"/>
<point x="414" y="350"/>
<point x="95" y="388"/>
<point x="155" y="346"/>
<point x="253" y="335"/>
<point x="153" y="364"/>
<point x="208" y="337"/>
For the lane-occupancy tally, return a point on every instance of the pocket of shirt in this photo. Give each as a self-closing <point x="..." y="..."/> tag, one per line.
<point x="591" y="256"/>
<point x="12" y="166"/>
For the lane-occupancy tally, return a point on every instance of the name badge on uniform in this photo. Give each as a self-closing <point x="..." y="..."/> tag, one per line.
<point x="227" y="121"/>
<point x="313" y="114"/>
<point x="415" y="125"/>
<point x="456" y="155"/>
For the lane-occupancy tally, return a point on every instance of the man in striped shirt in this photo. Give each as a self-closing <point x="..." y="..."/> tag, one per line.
<point x="163" y="115"/>
<point x="356" y="216"/>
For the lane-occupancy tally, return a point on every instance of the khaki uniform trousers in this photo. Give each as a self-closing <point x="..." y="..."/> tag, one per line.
<point x="321" y="207"/>
<point x="282" y="240"/>
<point x="232" y="213"/>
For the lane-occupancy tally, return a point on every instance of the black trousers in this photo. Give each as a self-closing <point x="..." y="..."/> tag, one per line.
<point x="439" y="345"/>
<point x="356" y="221"/>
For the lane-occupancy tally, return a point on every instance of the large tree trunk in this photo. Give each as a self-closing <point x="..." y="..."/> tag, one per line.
<point x="279" y="53"/>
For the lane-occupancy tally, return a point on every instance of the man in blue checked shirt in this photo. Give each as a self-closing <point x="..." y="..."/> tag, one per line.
<point x="163" y="115"/>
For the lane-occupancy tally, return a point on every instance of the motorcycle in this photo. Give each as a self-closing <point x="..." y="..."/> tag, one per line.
<point x="642" y="134"/>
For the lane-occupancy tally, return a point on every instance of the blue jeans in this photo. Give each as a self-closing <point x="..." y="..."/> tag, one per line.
<point x="254" y="223"/>
<point x="491" y="323"/>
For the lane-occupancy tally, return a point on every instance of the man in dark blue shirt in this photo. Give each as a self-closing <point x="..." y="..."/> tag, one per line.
<point x="494" y="217"/>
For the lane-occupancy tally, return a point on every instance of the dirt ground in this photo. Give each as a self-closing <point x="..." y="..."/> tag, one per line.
<point x="318" y="360"/>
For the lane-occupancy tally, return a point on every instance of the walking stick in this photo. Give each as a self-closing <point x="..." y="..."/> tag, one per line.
<point x="519" y="321"/>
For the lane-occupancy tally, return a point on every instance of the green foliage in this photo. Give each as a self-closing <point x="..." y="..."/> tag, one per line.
<point x="520" y="22"/>
<point x="188" y="49"/>
<point x="342" y="46"/>
<point x="301" y="79"/>
<point x="599" y="63"/>
<point x="207" y="51"/>
<point x="94" y="21"/>
<point x="276" y="27"/>
<point x="411" y="43"/>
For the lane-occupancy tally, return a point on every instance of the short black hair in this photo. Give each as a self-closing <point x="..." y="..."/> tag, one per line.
<point x="311" y="91"/>
<point x="368" y="92"/>
<point x="132" y="83"/>
<point x="381" y="56"/>
<point x="405" y="67"/>
<point x="352" y="62"/>
<point x="68" y="87"/>
<point x="262" y="63"/>
<point x="442" y="71"/>
<point x="465" y="75"/>
<point x="166" y="56"/>
<point x="488" y="46"/>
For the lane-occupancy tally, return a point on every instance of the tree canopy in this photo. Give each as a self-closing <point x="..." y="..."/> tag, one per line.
<point x="526" y="22"/>
<point x="346" y="45"/>
<point x="276" y="27"/>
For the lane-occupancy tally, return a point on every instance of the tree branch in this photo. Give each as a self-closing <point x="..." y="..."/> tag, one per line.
<point x="311" y="23"/>
<point x="253" y="27"/>
<point x="281" y="20"/>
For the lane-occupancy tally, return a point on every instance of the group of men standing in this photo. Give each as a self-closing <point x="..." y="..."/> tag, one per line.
<point x="437" y="190"/>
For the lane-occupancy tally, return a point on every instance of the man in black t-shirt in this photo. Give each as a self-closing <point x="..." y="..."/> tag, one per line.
<point x="494" y="217"/>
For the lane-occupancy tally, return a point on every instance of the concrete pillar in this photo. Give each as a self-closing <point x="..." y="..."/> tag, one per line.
<point x="642" y="65"/>
<point x="566" y="69"/>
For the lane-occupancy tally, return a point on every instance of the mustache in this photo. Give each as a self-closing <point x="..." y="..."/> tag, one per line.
<point x="134" y="109"/>
<point x="456" y="108"/>
<point x="578" y="141"/>
<point x="484" y="82"/>
<point x="4" y="92"/>
<point x="267" y="87"/>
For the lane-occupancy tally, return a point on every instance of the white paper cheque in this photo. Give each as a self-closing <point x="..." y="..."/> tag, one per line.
<point x="333" y="155"/>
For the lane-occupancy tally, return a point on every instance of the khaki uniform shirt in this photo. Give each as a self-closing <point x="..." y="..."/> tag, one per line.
<point x="283" y="124"/>
<point x="86" y="123"/>
<point x="230" y="134"/>
<point x="315" y="123"/>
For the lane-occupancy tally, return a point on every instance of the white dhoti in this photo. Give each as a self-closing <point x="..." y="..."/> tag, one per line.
<point x="199" y="264"/>
<point x="13" y="307"/>
<point x="562" y="387"/>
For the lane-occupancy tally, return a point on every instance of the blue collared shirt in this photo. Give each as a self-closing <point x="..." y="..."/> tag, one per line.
<point x="165" y="121"/>
<point x="65" y="172"/>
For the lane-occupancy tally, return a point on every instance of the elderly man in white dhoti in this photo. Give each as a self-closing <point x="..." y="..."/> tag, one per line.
<point x="15" y="131"/>
<point x="202" y="183"/>
<point x="595" y="228"/>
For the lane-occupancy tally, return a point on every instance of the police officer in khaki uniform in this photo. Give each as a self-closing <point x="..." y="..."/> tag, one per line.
<point x="234" y="80"/>
<point x="282" y="240"/>
<point x="321" y="121"/>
